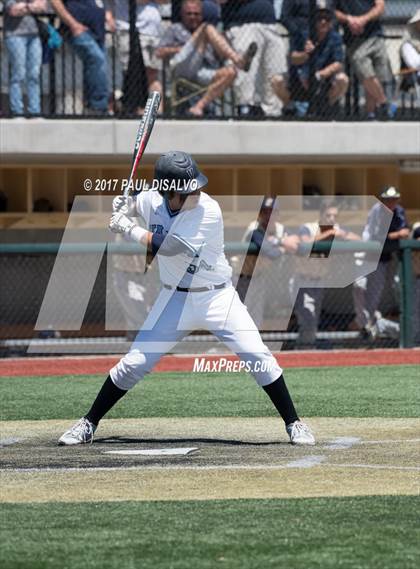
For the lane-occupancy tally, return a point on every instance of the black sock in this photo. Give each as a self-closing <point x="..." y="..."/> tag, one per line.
<point x="108" y="395"/>
<point x="280" y="396"/>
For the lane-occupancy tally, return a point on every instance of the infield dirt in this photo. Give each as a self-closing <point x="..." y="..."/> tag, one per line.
<point x="236" y="458"/>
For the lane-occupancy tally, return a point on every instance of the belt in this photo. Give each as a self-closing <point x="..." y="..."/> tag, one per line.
<point x="196" y="289"/>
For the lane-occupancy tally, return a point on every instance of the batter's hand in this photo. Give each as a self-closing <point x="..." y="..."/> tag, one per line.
<point x="120" y="223"/>
<point x="125" y="205"/>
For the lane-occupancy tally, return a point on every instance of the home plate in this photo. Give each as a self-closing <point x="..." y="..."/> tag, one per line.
<point x="154" y="451"/>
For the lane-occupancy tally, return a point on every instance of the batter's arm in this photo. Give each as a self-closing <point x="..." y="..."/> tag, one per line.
<point x="168" y="245"/>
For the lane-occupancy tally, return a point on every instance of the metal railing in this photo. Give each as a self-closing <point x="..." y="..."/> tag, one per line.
<point x="30" y="265"/>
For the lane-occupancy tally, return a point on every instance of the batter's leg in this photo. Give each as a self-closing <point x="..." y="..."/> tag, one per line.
<point x="241" y="335"/>
<point x="163" y="328"/>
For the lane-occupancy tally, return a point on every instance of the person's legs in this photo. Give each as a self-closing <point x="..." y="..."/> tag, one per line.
<point x="189" y="60"/>
<point x="416" y="316"/>
<point x="362" y="59"/>
<point x="279" y="86"/>
<point x="338" y="88"/>
<point x="33" y="74"/>
<point x="255" y="298"/>
<point x="222" y="79"/>
<point x="308" y="308"/>
<point x="362" y="316"/>
<point x="375" y="285"/>
<point x="123" y="48"/>
<point x="153" y="65"/>
<point x="245" y="84"/>
<point x="274" y="64"/>
<point x="224" y="49"/>
<point x="375" y="95"/>
<point x="16" y="47"/>
<point x="94" y="70"/>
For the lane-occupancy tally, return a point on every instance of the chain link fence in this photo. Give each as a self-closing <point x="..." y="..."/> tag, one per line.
<point x="297" y="60"/>
<point x="332" y="322"/>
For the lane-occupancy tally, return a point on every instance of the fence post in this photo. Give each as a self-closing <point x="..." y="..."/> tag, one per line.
<point x="406" y="275"/>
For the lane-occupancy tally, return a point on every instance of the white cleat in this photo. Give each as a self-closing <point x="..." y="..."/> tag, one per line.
<point x="81" y="433"/>
<point x="300" y="434"/>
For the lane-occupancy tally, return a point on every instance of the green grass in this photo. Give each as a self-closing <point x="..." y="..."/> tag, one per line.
<point x="327" y="533"/>
<point x="381" y="391"/>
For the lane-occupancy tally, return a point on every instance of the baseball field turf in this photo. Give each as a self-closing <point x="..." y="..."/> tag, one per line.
<point x="245" y="498"/>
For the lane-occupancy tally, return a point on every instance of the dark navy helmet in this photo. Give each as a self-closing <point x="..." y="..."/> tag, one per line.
<point x="180" y="167"/>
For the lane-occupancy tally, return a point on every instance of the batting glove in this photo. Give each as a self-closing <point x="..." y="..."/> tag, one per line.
<point x="120" y="223"/>
<point x="125" y="205"/>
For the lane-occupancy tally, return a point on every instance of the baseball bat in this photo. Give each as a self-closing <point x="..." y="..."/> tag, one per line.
<point x="143" y="134"/>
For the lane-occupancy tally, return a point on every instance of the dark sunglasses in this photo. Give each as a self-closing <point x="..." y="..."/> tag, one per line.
<point x="325" y="17"/>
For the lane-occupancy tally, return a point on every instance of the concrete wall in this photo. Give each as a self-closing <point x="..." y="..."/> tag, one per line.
<point x="220" y="142"/>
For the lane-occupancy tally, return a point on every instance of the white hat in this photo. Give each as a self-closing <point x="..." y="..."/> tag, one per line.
<point x="415" y="18"/>
<point x="390" y="193"/>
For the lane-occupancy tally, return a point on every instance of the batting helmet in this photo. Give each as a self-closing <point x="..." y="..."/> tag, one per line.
<point x="181" y="167"/>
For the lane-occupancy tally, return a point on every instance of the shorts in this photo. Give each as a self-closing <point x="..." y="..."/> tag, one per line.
<point x="369" y="59"/>
<point x="148" y="50"/>
<point x="188" y="63"/>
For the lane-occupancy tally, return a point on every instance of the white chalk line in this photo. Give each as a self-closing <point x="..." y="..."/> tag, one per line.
<point x="389" y="441"/>
<point x="145" y="468"/>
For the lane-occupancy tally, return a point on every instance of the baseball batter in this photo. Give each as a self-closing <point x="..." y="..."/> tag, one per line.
<point x="184" y="229"/>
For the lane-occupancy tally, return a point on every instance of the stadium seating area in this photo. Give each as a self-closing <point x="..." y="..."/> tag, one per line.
<point x="304" y="60"/>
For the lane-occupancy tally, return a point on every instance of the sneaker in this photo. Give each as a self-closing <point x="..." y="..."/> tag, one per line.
<point x="249" y="55"/>
<point x="80" y="433"/>
<point x="300" y="434"/>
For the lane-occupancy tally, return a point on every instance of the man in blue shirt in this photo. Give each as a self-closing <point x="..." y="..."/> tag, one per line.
<point x="84" y="25"/>
<point x="326" y="58"/>
<point x="248" y="21"/>
<point x="295" y="17"/>
<point x="367" y="292"/>
<point x="366" y="48"/>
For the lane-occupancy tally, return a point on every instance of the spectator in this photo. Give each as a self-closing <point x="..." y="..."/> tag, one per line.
<point x="416" y="268"/>
<point x="255" y="21"/>
<point x="326" y="57"/>
<point x="149" y="27"/>
<point x="295" y="18"/>
<point x="24" y="47"/>
<point x="211" y="11"/>
<point x="305" y="286"/>
<point x="195" y="48"/>
<point x="272" y="242"/>
<point x="84" y="25"/>
<point x="367" y="51"/>
<point x="410" y="47"/>
<point x="367" y="291"/>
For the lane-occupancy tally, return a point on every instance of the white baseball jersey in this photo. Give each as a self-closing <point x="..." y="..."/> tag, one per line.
<point x="199" y="231"/>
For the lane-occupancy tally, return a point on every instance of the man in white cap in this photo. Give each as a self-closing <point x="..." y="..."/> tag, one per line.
<point x="410" y="47"/>
<point x="367" y="291"/>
